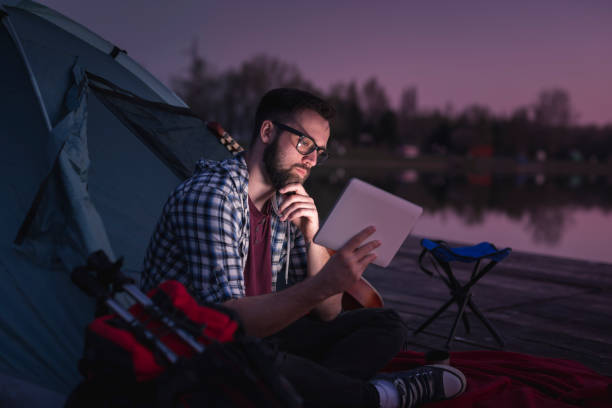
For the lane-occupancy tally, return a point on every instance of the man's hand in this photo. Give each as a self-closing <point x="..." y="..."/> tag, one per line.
<point x="347" y="265"/>
<point x="300" y="209"/>
<point x="264" y="315"/>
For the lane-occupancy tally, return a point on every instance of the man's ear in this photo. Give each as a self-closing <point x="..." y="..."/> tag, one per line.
<point x="266" y="131"/>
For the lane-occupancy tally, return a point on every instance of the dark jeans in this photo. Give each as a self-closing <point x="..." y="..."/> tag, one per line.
<point x="330" y="363"/>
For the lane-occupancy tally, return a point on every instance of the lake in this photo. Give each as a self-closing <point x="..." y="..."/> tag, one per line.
<point x="566" y="216"/>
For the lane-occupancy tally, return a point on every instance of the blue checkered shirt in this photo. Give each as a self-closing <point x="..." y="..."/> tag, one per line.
<point x="202" y="237"/>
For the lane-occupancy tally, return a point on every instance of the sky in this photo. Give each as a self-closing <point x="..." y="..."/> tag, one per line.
<point x="500" y="54"/>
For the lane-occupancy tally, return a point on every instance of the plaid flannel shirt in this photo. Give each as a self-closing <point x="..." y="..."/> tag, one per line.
<point x="202" y="237"/>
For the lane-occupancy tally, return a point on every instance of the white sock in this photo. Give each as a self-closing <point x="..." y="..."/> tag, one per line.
<point x="387" y="394"/>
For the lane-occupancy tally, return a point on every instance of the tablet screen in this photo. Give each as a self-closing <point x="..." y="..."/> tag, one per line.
<point x="362" y="204"/>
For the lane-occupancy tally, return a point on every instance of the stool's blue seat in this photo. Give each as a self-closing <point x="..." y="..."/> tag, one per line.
<point x="465" y="254"/>
<point x="443" y="255"/>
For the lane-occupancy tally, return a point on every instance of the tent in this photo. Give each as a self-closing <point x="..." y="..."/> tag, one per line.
<point x="92" y="145"/>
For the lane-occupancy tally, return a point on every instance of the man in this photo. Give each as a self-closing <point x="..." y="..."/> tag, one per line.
<point x="240" y="229"/>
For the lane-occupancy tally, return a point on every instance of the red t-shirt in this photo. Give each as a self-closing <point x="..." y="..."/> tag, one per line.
<point x="258" y="269"/>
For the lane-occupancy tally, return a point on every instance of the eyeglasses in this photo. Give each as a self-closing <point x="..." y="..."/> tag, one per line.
<point x="305" y="144"/>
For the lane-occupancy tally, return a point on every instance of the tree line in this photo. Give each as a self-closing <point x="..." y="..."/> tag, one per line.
<point x="545" y="129"/>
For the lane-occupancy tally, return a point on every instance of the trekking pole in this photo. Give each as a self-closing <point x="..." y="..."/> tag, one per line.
<point x="89" y="285"/>
<point x="157" y="312"/>
<point x="110" y="274"/>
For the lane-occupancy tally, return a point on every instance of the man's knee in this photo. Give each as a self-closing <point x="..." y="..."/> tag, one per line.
<point x="394" y="321"/>
<point x="395" y="328"/>
<point x="387" y="319"/>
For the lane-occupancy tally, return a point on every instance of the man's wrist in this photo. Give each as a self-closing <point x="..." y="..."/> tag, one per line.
<point x="313" y="246"/>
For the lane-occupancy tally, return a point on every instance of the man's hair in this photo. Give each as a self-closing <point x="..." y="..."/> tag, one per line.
<point x="282" y="104"/>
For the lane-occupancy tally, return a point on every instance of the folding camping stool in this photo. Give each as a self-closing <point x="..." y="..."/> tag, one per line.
<point x="442" y="255"/>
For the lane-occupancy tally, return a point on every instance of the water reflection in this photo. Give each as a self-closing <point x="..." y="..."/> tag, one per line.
<point x="541" y="204"/>
<point x="547" y="224"/>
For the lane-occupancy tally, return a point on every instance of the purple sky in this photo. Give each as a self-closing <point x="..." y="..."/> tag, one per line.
<point x="496" y="53"/>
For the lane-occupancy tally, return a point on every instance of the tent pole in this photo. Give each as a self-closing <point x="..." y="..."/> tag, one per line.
<point x="11" y="30"/>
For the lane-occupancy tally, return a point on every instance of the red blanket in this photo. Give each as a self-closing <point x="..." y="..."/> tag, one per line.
<point x="512" y="380"/>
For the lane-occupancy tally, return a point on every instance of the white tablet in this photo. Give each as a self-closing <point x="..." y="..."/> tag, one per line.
<point x="361" y="205"/>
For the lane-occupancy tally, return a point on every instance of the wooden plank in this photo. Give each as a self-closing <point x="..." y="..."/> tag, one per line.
<point x="518" y="338"/>
<point x="542" y="305"/>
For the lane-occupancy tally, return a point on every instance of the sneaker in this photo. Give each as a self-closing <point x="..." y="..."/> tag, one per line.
<point x="426" y="384"/>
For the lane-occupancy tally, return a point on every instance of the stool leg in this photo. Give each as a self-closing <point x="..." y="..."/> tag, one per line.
<point x="435" y="315"/>
<point x="486" y="322"/>
<point x="454" y="328"/>
<point x="466" y="323"/>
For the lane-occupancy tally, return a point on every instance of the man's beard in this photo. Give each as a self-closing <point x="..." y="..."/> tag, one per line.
<point x="280" y="177"/>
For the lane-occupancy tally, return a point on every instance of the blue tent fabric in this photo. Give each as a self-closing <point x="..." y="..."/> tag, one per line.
<point x="63" y="223"/>
<point x="164" y="129"/>
<point x="483" y="250"/>
<point x="75" y="176"/>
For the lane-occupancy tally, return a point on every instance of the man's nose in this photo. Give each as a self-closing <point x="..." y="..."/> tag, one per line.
<point x="310" y="158"/>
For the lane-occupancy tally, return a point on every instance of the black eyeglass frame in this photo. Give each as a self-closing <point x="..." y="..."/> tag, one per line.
<point x="322" y="153"/>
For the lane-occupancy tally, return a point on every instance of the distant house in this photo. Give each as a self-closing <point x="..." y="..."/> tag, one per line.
<point x="366" y="139"/>
<point x="541" y="155"/>
<point x="409" y="151"/>
<point x="481" y="151"/>
<point x="576" y="155"/>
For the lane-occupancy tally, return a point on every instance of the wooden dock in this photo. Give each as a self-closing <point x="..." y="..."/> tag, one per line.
<point x="542" y="305"/>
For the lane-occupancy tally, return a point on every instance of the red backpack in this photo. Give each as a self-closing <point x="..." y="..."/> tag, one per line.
<point x="169" y="351"/>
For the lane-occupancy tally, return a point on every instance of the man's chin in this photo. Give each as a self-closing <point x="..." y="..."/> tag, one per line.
<point x="295" y="179"/>
<point x="284" y="178"/>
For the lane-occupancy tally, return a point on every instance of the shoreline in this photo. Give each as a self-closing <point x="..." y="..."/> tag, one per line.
<point x="379" y="159"/>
